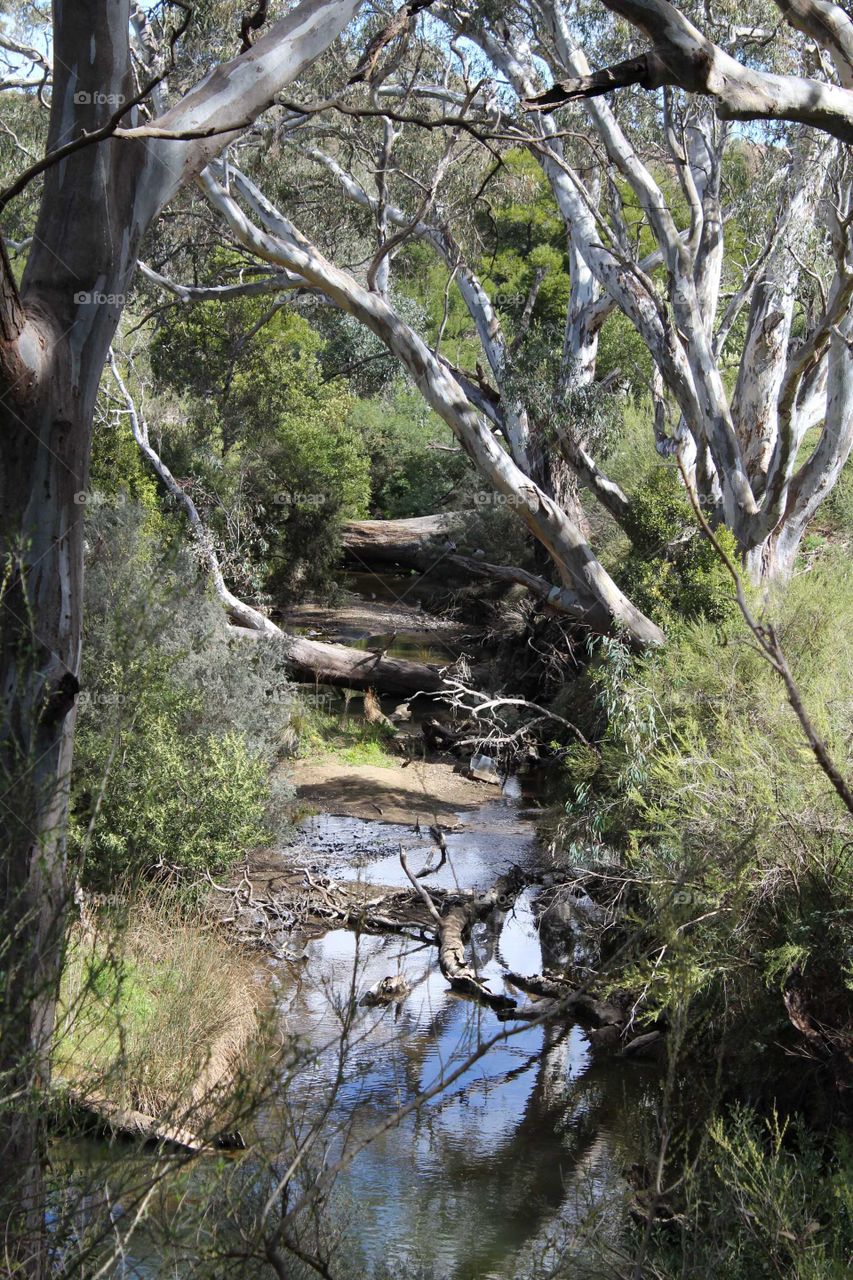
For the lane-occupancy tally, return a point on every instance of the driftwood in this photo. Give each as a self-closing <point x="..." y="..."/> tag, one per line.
<point x="136" y="1124"/>
<point x="580" y="1004"/>
<point x="389" y="990"/>
<point x="428" y="542"/>
<point x="453" y="928"/>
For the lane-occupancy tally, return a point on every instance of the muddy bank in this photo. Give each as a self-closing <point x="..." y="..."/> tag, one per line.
<point x="424" y="791"/>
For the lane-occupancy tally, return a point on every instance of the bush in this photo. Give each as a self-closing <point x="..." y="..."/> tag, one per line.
<point x="765" y="1200"/>
<point x="178" y="724"/>
<point x="733" y="840"/>
<point x="672" y="571"/>
<point x="277" y="462"/>
<point x="191" y="803"/>
<point x="406" y="478"/>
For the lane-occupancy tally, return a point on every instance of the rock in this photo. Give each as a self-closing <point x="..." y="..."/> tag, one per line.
<point x="402" y="712"/>
<point x="604" y="1037"/>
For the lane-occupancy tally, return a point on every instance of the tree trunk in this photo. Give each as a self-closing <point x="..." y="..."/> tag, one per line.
<point x="97" y="203"/>
<point x="422" y="542"/>
<point x="43" y="450"/>
<point x="588" y="593"/>
<point x="354" y="668"/>
<point x="416" y="542"/>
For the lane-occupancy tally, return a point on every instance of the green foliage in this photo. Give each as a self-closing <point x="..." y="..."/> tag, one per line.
<point x="557" y="406"/>
<point x="397" y="432"/>
<point x="766" y="1200"/>
<point x="623" y="354"/>
<point x="529" y="236"/>
<point x="734" y="839"/>
<point x="343" y="734"/>
<point x="117" y="469"/>
<point x="177" y="727"/>
<point x="191" y="802"/>
<point x="278" y="459"/>
<point x="672" y="571"/>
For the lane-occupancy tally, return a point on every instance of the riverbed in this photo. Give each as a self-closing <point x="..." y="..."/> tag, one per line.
<point x="522" y="1159"/>
<point x="530" y="1144"/>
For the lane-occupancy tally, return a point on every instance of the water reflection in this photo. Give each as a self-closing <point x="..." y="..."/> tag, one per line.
<point x="520" y="1149"/>
<point x="526" y="1138"/>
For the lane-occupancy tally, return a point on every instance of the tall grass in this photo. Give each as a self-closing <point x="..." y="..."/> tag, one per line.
<point x="156" y="1014"/>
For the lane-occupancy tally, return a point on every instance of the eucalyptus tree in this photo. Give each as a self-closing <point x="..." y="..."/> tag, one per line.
<point x="793" y="361"/>
<point x="119" y="147"/>
<point x="748" y="336"/>
<point x="694" y="48"/>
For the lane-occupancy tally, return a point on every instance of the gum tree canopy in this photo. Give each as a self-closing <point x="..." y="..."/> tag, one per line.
<point x="736" y="277"/>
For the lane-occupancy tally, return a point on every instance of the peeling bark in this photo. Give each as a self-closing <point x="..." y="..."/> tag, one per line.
<point x="587" y="583"/>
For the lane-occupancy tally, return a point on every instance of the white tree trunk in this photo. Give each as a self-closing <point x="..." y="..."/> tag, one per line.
<point x="590" y="594"/>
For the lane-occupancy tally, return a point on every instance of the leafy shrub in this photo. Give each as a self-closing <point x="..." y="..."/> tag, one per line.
<point x="191" y="802"/>
<point x="734" y="843"/>
<point x="277" y="461"/>
<point x="766" y="1199"/>
<point x="178" y="723"/>
<point x="397" y="432"/>
<point x="672" y="571"/>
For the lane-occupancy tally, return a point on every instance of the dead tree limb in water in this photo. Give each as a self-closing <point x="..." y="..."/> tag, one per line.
<point x="453" y="929"/>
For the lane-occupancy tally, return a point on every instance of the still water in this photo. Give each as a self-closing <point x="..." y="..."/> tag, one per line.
<point x="528" y="1142"/>
<point x="503" y="1171"/>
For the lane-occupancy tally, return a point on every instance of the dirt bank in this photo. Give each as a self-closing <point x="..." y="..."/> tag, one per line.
<point x="426" y="791"/>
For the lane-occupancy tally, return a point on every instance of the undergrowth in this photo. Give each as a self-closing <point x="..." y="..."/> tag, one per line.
<point x="156" y="1012"/>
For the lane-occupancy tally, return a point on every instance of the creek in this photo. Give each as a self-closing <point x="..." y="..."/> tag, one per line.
<point x="533" y="1140"/>
<point x="528" y="1144"/>
<point x="523" y="1158"/>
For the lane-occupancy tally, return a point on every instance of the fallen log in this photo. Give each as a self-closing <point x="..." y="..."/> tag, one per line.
<point x="136" y="1124"/>
<point x="331" y="663"/>
<point x="428" y="542"/>
<point x="415" y="543"/>
<point x="354" y="668"/>
<point x="453" y="928"/>
<point x="580" y="1004"/>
